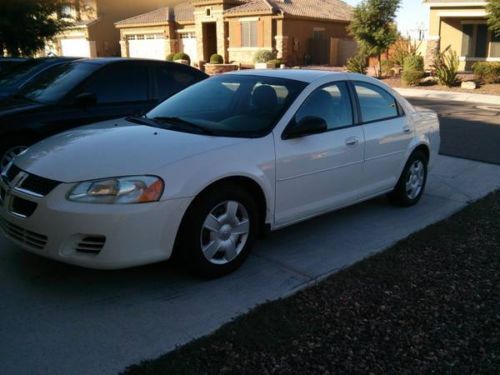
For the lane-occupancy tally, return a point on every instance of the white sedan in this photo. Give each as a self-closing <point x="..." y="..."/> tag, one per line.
<point x="206" y="171"/>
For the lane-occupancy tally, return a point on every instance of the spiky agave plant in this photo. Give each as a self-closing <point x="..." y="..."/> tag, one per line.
<point x="446" y="67"/>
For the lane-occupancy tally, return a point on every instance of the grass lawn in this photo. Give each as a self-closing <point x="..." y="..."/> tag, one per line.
<point x="431" y="303"/>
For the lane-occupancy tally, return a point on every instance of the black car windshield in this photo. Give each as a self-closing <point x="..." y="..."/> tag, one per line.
<point x="54" y="83"/>
<point x="229" y="105"/>
<point x="15" y="76"/>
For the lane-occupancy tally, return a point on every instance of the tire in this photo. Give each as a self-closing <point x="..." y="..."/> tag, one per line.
<point x="223" y="248"/>
<point x="411" y="184"/>
<point x="12" y="146"/>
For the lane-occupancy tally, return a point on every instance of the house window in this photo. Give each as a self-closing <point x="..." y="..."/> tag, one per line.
<point x="68" y="11"/>
<point x="249" y="34"/>
<point x="475" y="40"/>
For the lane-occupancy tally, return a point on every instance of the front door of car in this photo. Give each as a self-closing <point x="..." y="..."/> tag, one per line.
<point x="117" y="90"/>
<point x="387" y="137"/>
<point x="319" y="172"/>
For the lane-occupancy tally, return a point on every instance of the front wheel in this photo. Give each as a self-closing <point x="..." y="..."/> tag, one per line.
<point x="218" y="231"/>
<point x="411" y="184"/>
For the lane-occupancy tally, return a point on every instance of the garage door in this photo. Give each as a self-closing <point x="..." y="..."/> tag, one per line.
<point x="188" y="45"/>
<point x="75" y="47"/>
<point x="147" y="46"/>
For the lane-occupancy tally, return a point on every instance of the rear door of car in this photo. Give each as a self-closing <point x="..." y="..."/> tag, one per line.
<point x="387" y="136"/>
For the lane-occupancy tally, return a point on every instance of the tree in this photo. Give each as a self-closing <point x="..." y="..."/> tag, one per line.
<point x="493" y="9"/>
<point x="373" y="26"/>
<point x="26" y="25"/>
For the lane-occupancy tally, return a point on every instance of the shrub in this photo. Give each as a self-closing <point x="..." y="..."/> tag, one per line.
<point x="170" y="57"/>
<point x="276" y="62"/>
<point x="402" y="49"/>
<point x="487" y="72"/>
<point x="413" y="69"/>
<point x="446" y="67"/>
<point x="264" y="56"/>
<point x="182" y="56"/>
<point x="216" y="59"/>
<point x="357" y="64"/>
<point x="386" y="66"/>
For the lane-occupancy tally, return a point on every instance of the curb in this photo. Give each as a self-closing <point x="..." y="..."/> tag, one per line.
<point x="446" y="95"/>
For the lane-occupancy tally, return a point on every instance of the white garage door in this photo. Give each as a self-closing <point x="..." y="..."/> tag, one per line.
<point x="147" y="46"/>
<point x="75" y="47"/>
<point x="188" y="45"/>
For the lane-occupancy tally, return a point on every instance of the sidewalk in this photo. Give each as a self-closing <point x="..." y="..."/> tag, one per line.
<point x="447" y="95"/>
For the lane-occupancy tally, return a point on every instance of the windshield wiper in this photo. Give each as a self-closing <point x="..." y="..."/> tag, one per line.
<point x="177" y="121"/>
<point x="140" y="120"/>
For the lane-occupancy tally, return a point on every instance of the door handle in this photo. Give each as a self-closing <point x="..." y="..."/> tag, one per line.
<point x="406" y="129"/>
<point x="352" y="141"/>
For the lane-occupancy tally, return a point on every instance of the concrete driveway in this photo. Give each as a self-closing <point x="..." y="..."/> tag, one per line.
<point x="59" y="319"/>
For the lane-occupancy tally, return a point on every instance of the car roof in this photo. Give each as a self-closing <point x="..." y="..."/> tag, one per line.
<point x="111" y="60"/>
<point x="303" y="75"/>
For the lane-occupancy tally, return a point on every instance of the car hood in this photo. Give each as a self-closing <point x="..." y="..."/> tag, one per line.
<point x="114" y="148"/>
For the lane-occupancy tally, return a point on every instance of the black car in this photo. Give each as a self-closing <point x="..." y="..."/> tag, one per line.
<point x="16" y="77"/>
<point x="7" y="63"/>
<point x="86" y="91"/>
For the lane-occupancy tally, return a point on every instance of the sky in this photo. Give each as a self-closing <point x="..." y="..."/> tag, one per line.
<point x="412" y="15"/>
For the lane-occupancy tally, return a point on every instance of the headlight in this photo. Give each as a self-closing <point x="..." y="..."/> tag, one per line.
<point x="121" y="190"/>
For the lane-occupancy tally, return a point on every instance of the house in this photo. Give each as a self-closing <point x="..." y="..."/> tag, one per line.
<point x="92" y="32"/>
<point x="462" y="25"/>
<point x="299" y="31"/>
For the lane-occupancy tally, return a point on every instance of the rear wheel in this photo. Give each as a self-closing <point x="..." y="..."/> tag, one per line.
<point x="218" y="231"/>
<point x="411" y="184"/>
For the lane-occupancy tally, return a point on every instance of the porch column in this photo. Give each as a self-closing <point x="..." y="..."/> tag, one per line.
<point x="124" y="47"/>
<point x="282" y="47"/>
<point x="433" y="47"/>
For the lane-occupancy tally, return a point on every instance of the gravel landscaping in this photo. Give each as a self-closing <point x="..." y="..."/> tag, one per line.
<point x="487" y="89"/>
<point x="431" y="303"/>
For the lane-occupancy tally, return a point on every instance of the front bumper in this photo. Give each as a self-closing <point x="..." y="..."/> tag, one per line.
<point x="96" y="236"/>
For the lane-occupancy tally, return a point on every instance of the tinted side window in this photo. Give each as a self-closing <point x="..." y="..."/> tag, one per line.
<point x="171" y="80"/>
<point x="119" y="83"/>
<point x="375" y="103"/>
<point x="332" y="103"/>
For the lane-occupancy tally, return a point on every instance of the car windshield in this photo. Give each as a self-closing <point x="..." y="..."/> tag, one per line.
<point x="229" y="105"/>
<point x="54" y="83"/>
<point x="14" y="76"/>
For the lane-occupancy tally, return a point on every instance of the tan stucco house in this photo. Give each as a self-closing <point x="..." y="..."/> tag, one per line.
<point x="299" y="31"/>
<point x="93" y="33"/>
<point x="462" y="25"/>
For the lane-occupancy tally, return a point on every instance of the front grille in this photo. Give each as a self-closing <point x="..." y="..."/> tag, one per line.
<point x="91" y="244"/>
<point x="30" y="183"/>
<point x="38" y="185"/>
<point x="31" y="239"/>
<point x="12" y="172"/>
<point x="22" y="207"/>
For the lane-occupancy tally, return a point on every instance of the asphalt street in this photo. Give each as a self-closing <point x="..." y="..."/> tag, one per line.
<point x="59" y="319"/>
<point x="468" y="130"/>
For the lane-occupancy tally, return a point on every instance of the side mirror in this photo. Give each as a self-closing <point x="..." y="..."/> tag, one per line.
<point x="307" y="126"/>
<point x="85" y="99"/>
